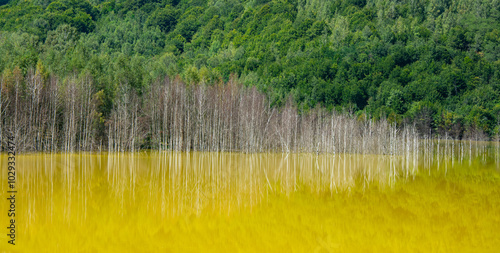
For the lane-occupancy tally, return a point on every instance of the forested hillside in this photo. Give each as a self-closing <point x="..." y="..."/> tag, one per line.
<point x="432" y="62"/>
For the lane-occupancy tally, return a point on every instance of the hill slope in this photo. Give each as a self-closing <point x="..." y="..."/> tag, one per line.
<point x="434" y="62"/>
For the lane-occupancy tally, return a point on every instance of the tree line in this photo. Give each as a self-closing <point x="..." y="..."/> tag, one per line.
<point x="50" y="114"/>
<point x="432" y="63"/>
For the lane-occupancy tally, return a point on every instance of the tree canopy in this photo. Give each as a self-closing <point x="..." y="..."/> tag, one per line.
<point x="433" y="62"/>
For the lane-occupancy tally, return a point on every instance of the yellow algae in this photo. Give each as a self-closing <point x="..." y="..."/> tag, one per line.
<point x="267" y="202"/>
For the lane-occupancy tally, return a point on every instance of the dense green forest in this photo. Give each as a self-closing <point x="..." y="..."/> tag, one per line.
<point x="432" y="62"/>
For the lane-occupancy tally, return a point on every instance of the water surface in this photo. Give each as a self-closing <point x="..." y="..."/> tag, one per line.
<point x="444" y="198"/>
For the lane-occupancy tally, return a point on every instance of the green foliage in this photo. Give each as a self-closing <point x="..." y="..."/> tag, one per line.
<point x="432" y="62"/>
<point x="165" y="18"/>
<point x="64" y="38"/>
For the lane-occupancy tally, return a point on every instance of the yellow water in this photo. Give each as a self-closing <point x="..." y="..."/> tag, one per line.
<point x="271" y="202"/>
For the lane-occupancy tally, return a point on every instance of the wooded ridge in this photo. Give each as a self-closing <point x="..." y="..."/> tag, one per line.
<point x="77" y="75"/>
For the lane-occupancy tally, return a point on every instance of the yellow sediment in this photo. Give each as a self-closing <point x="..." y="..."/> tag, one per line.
<point x="271" y="202"/>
